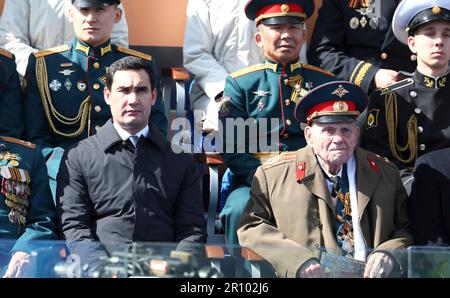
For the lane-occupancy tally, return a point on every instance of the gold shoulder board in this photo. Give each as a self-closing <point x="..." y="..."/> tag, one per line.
<point x="6" y="53"/>
<point x="318" y="69"/>
<point x="134" y="53"/>
<point x="17" y="141"/>
<point x="50" y="51"/>
<point x="247" y="70"/>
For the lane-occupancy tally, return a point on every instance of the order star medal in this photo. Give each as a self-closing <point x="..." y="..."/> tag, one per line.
<point x="261" y="93"/>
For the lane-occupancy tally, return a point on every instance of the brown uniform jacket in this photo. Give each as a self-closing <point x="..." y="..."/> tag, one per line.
<point x="290" y="214"/>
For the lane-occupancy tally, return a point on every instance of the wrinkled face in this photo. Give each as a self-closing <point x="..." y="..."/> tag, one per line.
<point x="131" y="99"/>
<point x="334" y="143"/>
<point x="431" y="42"/>
<point x="281" y="43"/>
<point x="94" y="25"/>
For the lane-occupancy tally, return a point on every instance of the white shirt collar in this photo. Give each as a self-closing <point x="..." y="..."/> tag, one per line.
<point x="124" y="135"/>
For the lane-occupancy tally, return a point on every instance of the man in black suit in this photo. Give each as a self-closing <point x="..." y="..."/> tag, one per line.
<point x="126" y="184"/>
<point x="429" y="202"/>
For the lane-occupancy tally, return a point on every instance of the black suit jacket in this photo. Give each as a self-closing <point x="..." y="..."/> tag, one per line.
<point x="110" y="193"/>
<point x="429" y="202"/>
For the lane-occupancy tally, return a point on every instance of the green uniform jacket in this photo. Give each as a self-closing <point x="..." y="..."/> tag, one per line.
<point x="290" y="214"/>
<point x="265" y="91"/>
<point x="10" y="97"/>
<point x="67" y="76"/>
<point x="41" y="215"/>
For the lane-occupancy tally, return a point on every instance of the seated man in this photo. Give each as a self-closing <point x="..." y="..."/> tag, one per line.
<point x="429" y="202"/>
<point x="329" y="195"/>
<point x="27" y="211"/>
<point x="27" y="26"/>
<point x="263" y="98"/>
<point x="125" y="183"/>
<point x="63" y="103"/>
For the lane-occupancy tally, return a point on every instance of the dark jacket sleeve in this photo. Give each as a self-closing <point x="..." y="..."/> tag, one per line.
<point x="10" y="100"/>
<point x="74" y="209"/>
<point x="189" y="214"/>
<point x="41" y="216"/>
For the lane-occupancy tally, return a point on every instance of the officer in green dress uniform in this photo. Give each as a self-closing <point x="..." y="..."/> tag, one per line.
<point x="410" y="118"/>
<point x="27" y="211"/>
<point x="11" y="98"/>
<point x="265" y="92"/>
<point x="64" y="100"/>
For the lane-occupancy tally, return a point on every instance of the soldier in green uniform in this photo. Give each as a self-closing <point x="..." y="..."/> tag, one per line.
<point x="410" y="118"/>
<point x="27" y="211"/>
<point x="263" y="93"/>
<point x="64" y="100"/>
<point x="11" y="98"/>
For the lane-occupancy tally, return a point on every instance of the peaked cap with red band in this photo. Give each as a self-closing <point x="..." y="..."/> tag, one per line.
<point x="333" y="102"/>
<point x="274" y="12"/>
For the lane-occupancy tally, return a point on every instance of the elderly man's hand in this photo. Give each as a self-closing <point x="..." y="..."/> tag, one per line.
<point x="18" y="265"/>
<point x="311" y="269"/>
<point x="379" y="265"/>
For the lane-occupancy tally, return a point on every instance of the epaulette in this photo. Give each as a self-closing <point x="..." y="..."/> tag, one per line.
<point x="396" y="86"/>
<point x="247" y="70"/>
<point x="6" y="53"/>
<point x="383" y="159"/>
<point x="279" y="159"/>
<point x="318" y="69"/>
<point x="134" y="53"/>
<point x="17" y="141"/>
<point x="50" y="51"/>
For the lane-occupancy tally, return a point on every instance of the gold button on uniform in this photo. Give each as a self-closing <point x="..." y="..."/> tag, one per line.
<point x="97" y="127"/>
<point x="384" y="56"/>
<point x="286" y="136"/>
<point x="417" y="111"/>
<point x="96" y="86"/>
<point x="420" y="128"/>
<point x="422" y="147"/>
<point x="288" y="121"/>
<point x="96" y="65"/>
<point x="413" y="57"/>
<point x="98" y="109"/>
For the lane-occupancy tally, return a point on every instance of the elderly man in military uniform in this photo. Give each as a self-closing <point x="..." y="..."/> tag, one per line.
<point x="10" y="98"/>
<point x="330" y="197"/>
<point x="265" y="92"/>
<point x="353" y="40"/>
<point x="64" y="100"/>
<point x="27" y="211"/>
<point x="410" y="118"/>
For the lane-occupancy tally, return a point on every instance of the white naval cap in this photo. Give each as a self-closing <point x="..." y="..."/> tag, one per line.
<point x="412" y="13"/>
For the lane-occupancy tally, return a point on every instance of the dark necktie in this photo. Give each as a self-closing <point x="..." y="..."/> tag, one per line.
<point x="343" y="223"/>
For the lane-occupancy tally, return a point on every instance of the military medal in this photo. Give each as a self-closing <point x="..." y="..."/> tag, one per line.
<point x="55" y="85"/>
<point x="295" y="82"/>
<point x="374" y="23"/>
<point x="354" y="23"/>
<point x="15" y="187"/>
<point x="260" y="105"/>
<point x="68" y="84"/>
<point x="66" y="72"/>
<point x="81" y="85"/>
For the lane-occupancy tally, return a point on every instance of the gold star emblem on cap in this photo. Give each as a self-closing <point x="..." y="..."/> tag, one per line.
<point x="340" y="91"/>
<point x="284" y="8"/>
<point x="436" y="10"/>
<point x="340" y="106"/>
